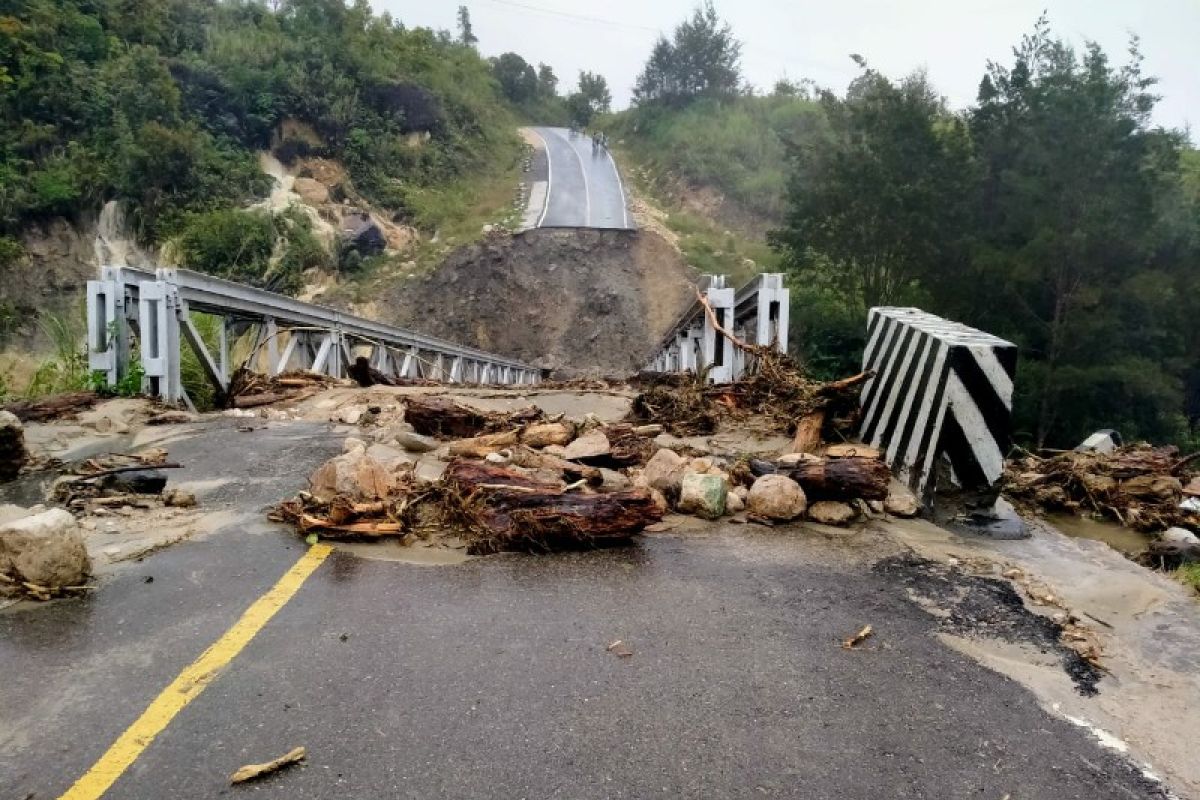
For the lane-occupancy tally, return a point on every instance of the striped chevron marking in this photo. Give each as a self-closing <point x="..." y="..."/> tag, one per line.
<point x="939" y="387"/>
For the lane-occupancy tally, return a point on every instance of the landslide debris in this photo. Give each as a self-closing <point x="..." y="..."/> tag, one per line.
<point x="1139" y="486"/>
<point x="579" y="302"/>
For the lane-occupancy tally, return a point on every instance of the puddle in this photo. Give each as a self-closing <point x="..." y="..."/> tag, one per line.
<point x="1123" y="540"/>
<point x="392" y="550"/>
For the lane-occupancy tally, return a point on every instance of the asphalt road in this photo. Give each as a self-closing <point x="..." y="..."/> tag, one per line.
<point x="583" y="186"/>
<point x="492" y="678"/>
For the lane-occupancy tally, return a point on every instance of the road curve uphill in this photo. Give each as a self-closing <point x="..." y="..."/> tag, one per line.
<point x="575" y="185"/>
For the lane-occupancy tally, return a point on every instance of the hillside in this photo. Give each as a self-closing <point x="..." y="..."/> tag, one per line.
<point x="162" y="113"/>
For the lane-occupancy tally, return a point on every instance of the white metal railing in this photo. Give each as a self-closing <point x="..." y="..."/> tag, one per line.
<point x="757" y="313"/>
<point x="290" y="334"/>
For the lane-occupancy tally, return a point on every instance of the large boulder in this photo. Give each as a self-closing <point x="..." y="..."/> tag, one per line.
<point x="592" y="444"/>
<point x="776" y="497"/>
<point x="901" y="502"/>
<point x="46" y="549"/>
<point x="414" y="442"/>
<point x="355" y="475"/>
<point x="832" y="512"/>
<point x="702" y="495"/>
<point x="13" y="454"/>
<point x="664" y="471"/>
<point x="311" y="191"/>
<point x="362" y="235"/>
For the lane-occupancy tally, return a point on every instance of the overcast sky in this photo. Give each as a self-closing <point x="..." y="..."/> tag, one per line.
<point x="952" y="39"/>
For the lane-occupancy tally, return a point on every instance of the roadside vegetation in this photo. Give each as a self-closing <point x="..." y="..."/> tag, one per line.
<point x="1084" y="248"/>
<point x="164" y="105"/>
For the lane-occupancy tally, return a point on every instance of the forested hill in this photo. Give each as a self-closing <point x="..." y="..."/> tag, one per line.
<point x="163" y="103"/>
<point x="1052" y="212"/>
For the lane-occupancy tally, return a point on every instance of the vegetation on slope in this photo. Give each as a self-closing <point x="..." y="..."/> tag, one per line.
<point x="163" y="103"/>
<point x="1053" y="213"/>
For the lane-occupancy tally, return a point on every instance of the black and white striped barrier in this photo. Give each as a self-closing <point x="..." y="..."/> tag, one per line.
<point x="940" y="389"/>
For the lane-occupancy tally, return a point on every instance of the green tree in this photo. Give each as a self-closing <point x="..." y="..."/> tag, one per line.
<point x="869" y="211"/>
<point x="466" y="34"/>
<point x="702" y="59"/>
<point x="594" y="89"/>
<point x="518" y="80"/>
<point x="547" y="81"/>
<point x="1074" y="176"/>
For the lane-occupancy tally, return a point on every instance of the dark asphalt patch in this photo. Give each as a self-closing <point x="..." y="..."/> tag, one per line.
<point x="979" y="606"/>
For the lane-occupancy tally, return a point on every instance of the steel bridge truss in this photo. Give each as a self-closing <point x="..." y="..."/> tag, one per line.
<point x="148" y="315"/>
<point x="757" y="314"/>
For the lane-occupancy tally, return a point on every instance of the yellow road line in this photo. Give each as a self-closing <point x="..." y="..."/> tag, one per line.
<point x="193" y="680"/>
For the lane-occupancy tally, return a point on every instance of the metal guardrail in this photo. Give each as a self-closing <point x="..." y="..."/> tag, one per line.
<point x="757" y="313"/>
<point x="155" y="307"/>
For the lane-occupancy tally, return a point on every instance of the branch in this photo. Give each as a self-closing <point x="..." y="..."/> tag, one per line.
<point x="712" y="318"/>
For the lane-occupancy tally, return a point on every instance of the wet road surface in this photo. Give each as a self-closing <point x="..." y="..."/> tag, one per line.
<point x="583" y="186"/>
<point x="492" y="678"/>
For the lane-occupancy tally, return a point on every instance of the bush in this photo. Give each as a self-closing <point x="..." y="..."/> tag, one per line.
<point x="229" y="243"/>
<point x="254" y="247"/>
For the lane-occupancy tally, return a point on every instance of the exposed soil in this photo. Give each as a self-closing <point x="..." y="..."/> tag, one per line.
<point x="581" y="303"/>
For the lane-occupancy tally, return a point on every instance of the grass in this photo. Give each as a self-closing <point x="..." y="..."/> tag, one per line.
<point x="706" y="244"/>
<point x="447" y="216"/>
<point x="1189" y="575"/>
<point x="66" y="369"/>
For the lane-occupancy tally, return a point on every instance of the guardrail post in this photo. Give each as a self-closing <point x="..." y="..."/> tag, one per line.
<point x="103" y="330"/>
<point x="272" y="334"/>
<point x="716" y="347"/>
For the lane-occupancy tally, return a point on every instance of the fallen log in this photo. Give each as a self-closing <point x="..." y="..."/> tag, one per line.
<point x="571" y="470"/>
<point x="506" y="510"/>
<point x="263" y="399"/>
<point x="482" y="446"/>
<point x="442" y="417"/>
<point x="365" y="375"/>
<point x="833" y="478"/>
<point x="54" y="407"/>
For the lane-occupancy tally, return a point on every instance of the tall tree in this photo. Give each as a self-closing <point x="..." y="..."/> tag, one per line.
<point x="702" y="59"/>
<point x="594" y="89"/>
<point x="547" y="81"/>
<point x="518" y="80"/>
<point x="1073" y="177"/>
<point x="466" y="34"/>
<point x="591" y="98"/>
<point x="872" y="208"/>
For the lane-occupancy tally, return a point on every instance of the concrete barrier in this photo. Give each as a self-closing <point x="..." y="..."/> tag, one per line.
<point x="942" y="393"/>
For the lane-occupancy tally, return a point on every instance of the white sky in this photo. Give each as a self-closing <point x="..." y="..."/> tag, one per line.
<point x="952" y="39"/>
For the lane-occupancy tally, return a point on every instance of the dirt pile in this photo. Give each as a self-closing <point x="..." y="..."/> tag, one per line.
<point x="578" y="302"/>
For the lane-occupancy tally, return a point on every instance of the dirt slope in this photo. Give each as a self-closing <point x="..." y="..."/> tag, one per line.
<point x="583" y="302"/>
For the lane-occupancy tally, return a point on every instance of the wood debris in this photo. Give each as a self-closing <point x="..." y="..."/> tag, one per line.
<point x="774" y="387"/>
<point x="832" y="478"/>
<point x="858" y="638"/>
<point x="620" y="649"/>
<point x="58" y="406"/>
<point x="249" y="389"/>
<point x="447" y="419"/>
<point x="1139" y="486"/>
<point x="503" y="509"/>
<point x="252" y="771"/>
